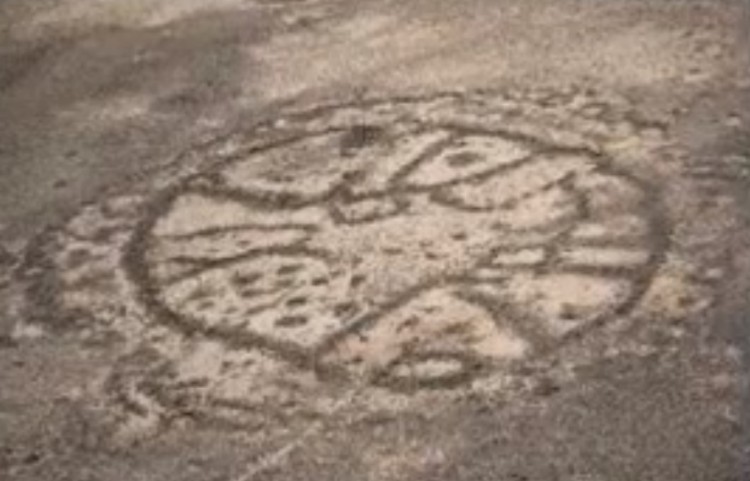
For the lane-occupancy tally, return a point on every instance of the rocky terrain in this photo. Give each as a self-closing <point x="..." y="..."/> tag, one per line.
<point x="373" y="240"/>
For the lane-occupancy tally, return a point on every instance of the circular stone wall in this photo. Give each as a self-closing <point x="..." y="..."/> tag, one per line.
<point x="397" y="252"/>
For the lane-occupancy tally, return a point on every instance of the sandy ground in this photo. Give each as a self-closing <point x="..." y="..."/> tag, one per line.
<point x="374" y="240"/>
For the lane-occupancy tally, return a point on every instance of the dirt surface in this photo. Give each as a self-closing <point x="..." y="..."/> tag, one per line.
<point x="430" y="240"/>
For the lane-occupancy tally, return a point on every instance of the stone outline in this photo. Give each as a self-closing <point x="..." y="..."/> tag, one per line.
<point x="36" y="270"/>
<point x="206" y="184"/>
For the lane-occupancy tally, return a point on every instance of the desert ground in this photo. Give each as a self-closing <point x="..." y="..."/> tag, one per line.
<point x="371" y="240"/>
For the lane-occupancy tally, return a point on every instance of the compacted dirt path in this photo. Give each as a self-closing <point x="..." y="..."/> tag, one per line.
<point x="374" y="240"/>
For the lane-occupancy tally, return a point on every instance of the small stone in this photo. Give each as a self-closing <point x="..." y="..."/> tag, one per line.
<point x="26" y="331"/>
<point x="568" y="312"/>
<point x="733" y="121"/>
<point x="713" y="274"/>
<point x="7" y="342"/>
<point x="723" y="382"/>
<point x="546" y="387"/>
<point x="6" y="258"/>
<point x="32" y="458"/>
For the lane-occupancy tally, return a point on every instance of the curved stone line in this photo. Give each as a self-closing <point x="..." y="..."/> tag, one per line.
<point x="337" y="215"/>
<point x="653" y="210"/>
<point x="147" y="290"/>
<point x="516" y="95"/>
<point x="217" y="231"/>
<point x="442" y="196"/>
<point x="207" y="265"/>
<point x="395" y="187"/>
<point x="293" y="136"/>
<point x="272" y="200"/>
<point x="471" y="367"/>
